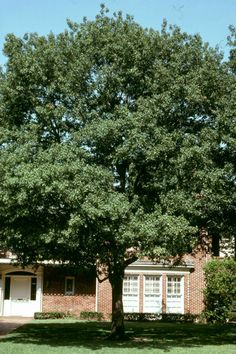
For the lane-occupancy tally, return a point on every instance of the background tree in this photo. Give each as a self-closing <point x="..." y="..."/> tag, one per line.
<point x="110" y="146"/>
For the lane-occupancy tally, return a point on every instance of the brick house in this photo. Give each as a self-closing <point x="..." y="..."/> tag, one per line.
<point x="147" y="287"/>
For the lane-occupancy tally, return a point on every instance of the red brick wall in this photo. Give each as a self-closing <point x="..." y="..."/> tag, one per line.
<point x="141" y="292"/>
<point x="186" y="293"/>
<point x="104" y="299"/>
<point x="164" y="280"/>
<point x="197" y="283"/>
<point x="54" y="298"/>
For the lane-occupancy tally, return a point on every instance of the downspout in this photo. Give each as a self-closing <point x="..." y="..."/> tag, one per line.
<point x="97" y="293"/>
<point x="41" y="292"/>
<point x="1" y="294"/>
<point x="189" y="292"/>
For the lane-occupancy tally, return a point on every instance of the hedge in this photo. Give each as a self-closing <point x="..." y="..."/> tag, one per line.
<point x="48" y="315"/>
<point x="165" y="317"/>
<point x="91" y="316"/>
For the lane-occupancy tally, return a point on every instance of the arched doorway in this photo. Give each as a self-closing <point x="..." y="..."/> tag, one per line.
<point x="22" y="293"/>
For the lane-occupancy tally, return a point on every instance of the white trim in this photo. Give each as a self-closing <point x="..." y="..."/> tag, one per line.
<point x="156" y="272"/>
<point x="96" y="294"/>
<point x="13" y="260"/>
<point x="188" y="292"/>
<point x="159" y="267"/>
<point x="1" y="295"/>
<point x="7" y="261"/>
<point x="40" y="288"/>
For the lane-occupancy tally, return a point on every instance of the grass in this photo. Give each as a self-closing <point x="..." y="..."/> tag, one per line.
<point x="72" y="336"/>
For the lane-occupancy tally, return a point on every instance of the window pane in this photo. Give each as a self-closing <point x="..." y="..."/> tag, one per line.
<point x="174" y="285"/>
<point x="130" y="285"/>
<point x="33" y="288"/>
<point x="152" y="284"/>
<point x="7" y="288"/>
<point x="69" y="286"/>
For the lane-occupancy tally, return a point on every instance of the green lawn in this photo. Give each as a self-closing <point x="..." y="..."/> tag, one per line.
<point x="72" y="336"/>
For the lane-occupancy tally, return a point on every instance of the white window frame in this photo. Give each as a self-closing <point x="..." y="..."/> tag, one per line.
<point x="68" y="292"/>
<point x="181" y="295"/>
<point x="136" y="295"/>
<point x="159" y="294"/>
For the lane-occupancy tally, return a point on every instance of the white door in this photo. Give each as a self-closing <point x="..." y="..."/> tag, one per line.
<point x="131" y="293"/>
<point x="175" y="294"/>
<point x="152" y="294"/>
<point x="20" y="295"/>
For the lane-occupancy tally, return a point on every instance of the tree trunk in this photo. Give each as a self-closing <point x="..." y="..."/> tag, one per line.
<point x="117" y="327"/>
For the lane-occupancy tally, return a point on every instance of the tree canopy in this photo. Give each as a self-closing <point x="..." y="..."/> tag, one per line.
<point x="116" y="142"/>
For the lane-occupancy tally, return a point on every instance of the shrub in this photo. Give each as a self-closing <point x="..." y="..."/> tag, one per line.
<point x="179" y="317"/>
<point x="220" y="278"/>
<point x="48" y="315"/>
<point x="165" y="317"/>
<point x="91" y="316"/>
<point x="137" y="316"/>
<point x="232" y="316"/>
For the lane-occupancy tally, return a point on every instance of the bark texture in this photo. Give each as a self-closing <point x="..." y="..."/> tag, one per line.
<point x="117" y="327"/>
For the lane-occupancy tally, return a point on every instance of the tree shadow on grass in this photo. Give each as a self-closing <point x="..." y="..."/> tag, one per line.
<point x="93" y="335"/>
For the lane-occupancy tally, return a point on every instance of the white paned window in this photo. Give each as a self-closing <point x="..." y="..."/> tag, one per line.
<point x="131" y="293"/>
<point x="69" y="286"/>
<point x="152" y="294"/>
<point x="175" y="294"/>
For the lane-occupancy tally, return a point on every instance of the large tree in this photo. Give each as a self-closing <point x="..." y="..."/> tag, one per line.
<point x="110" y="146"/>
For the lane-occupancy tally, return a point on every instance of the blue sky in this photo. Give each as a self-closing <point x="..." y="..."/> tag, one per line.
<point x="210" y="18"/>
